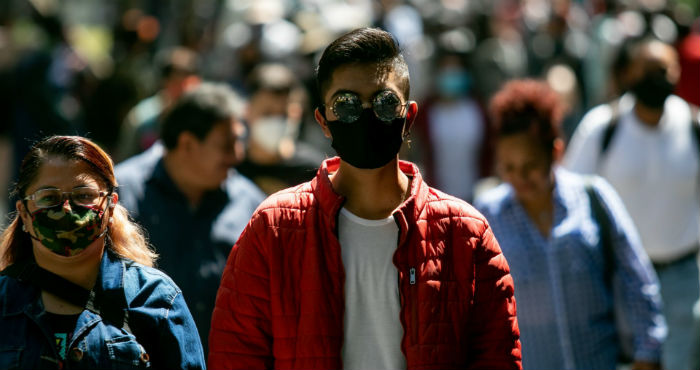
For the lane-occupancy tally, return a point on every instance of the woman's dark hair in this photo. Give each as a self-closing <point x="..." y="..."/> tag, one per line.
<point x="198" y="111"/>
<point x="362" y="46"/>
<point x="528" y="106"/>
<point x="127" y="239"/>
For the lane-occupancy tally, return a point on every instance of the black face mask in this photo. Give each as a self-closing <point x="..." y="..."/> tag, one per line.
<point x="368" y="142"/>
<point x="653" y="89"/>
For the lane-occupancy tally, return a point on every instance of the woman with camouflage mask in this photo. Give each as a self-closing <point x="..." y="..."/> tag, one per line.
<point x="77" y="287"/>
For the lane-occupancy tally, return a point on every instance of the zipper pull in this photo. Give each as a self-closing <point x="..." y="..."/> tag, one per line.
<point x="412" y="276"/>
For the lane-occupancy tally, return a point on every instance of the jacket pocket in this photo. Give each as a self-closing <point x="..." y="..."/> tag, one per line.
<point x="125" y="350"/>
<point x="9" y="358"/>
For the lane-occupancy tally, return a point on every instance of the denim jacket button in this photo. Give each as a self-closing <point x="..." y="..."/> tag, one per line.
<point x="76" y="354"/>
<point x="144" y="357"/>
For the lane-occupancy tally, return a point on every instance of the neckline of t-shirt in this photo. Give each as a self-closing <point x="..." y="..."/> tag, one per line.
<point x="364" y="221"/>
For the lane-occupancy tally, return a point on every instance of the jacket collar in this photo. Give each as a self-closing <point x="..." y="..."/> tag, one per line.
<point x="25" y="297"/>
<point x="18" y="297"/>
<point x="211" y="199"/>
<point x="331" y="202"/>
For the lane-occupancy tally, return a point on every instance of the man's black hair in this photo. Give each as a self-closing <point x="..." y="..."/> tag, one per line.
<point x="198" y="111"/>
<point x="362" y="46"/>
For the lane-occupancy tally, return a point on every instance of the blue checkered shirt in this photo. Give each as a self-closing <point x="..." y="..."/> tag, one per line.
<point x="566" y="306"/>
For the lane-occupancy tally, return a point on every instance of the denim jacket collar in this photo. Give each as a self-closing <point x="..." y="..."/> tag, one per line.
<point x="24" y="297"/>
<point x="110" y="282"/>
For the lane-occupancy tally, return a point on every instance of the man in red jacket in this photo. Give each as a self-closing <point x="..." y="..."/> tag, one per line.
<point x="365" y="266"/>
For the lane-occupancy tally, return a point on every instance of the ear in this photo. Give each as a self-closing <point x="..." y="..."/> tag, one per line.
<point x="186" y="141"/>
<point x="115" y="200"/>
<point x="322" y="122"/>
<point x="411" y="114"/>
<point x="558" y="150"/>
<point x="21" y="210"/>
<point x="23" y="213"/>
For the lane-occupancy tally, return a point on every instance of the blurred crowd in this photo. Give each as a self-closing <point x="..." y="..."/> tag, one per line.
<point x="115" y="71"/>
<point x="108" y="70"/>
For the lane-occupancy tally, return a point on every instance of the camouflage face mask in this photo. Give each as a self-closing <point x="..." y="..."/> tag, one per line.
<point x="67" y="233"/>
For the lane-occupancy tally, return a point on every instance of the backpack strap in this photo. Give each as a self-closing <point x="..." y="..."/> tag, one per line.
<point x="602" y="218"/>
<point x="610" y="129"/>
<point x="695" y="125"/>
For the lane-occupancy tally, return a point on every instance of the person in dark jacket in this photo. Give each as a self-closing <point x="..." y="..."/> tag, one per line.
<point x="365" y="266"/>
<point x="77" y="288"/>
<point x="187" y="195"/>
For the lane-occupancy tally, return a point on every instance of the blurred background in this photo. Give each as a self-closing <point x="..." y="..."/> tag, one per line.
<point x="109" y="69"/>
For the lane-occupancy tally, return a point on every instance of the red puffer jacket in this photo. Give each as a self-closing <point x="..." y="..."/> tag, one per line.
<point x="281" y="300"/>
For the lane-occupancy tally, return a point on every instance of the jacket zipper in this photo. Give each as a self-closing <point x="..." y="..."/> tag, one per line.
<point x="414" y="305"/>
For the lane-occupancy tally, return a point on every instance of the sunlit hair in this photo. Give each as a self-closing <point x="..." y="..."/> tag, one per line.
<point x="127" y="238"/>
<point x="528" y="106"/>
<point x="362" y="46"/>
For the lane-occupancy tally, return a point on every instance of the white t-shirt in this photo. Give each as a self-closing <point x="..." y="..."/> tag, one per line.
<point x="372" y="326"/>
<point x="655" y="170"/>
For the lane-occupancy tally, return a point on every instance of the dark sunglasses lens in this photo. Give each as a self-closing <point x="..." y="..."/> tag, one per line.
<point x="387" y="106"/>
<point x="347" y="107"/>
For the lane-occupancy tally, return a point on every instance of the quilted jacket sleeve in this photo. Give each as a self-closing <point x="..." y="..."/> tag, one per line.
<point x="240" y="336"/>
<point x="495" y="337"/>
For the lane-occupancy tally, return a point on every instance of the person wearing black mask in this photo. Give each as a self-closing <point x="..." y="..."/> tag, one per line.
<point x="647" y="145"/>
<point x="365" y="266"/>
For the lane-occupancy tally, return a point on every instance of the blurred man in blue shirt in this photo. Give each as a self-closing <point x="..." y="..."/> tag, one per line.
<point x="186" y="194"/>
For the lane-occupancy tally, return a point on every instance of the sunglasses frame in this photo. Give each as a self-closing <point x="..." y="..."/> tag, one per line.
<point x="374" y="103"/>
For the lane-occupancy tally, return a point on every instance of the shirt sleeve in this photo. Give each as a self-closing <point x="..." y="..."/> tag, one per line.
<point x="179" y="339"/>
<point x="161" y="320"/>
<point x="635" y="284"/>
<point x="495" y="337"/>
<point x="240" y="336"/>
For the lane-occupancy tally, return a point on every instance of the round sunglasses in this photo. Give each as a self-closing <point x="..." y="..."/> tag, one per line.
<point x="348" y="107"/>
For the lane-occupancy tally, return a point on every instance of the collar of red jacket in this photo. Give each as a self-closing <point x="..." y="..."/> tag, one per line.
<point x="331" y="202"/>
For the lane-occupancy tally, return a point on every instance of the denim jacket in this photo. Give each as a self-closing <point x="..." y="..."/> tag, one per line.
<point x="160" y="331"/>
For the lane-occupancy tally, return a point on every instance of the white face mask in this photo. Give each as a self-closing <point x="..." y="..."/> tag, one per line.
<point x="268" y="132"/>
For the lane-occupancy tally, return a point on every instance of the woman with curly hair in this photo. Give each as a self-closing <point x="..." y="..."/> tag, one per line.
<point x="574" y="254"/>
